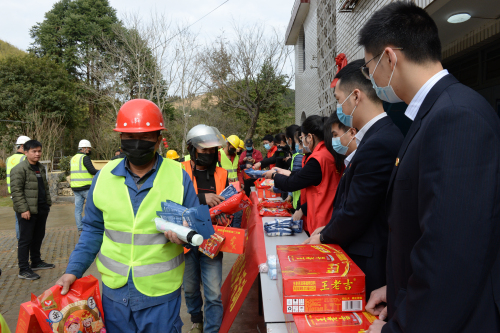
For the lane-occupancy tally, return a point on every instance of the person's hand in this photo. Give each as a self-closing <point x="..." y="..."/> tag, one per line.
<point x="317" y="231"/>
<point x="26" y="215"/>
<point x="376" y="327"/>
<point x="172" y="236"/>
<point x="376" y="303"/>
<point x="297" y="215"/>
<point x="257" y="166"/>
<point x="283" y="172"/>
<point x="269" y="174"/>
<point x="251" y="160"/>
<point x="248" y="166"/>
<point x="312" y="240"/>
<point x="65" y="282"/>
<point x="288" y="199"/>
<point x="213" y="199"/>
<point x="242" y="186"/>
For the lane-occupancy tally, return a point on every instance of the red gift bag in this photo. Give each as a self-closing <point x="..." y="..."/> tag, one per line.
<point x="211" y="247"/>
<point x="232" y="205"/>
<point x="80" y="310"/>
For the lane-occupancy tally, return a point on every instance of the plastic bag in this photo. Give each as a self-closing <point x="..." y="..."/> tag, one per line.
<point x="275" y="204"/>
<point x="264" y="183"/>
<point x="255" y="174"/>
<point x="273" y="232"/>
<point x="271" y="264"/>
<point x="232" y="205"/>
<point x="295" y="226"/>
<point x="228" y="192"/>
<point x="197" y="218"/>
<point x="274" y="212"/>
<point x="211" y="247"/>
<point x="80" y="310"/>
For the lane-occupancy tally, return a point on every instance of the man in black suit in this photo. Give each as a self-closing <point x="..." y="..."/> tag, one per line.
<point x="443" y="264"/>
<point x="358" y="223"/>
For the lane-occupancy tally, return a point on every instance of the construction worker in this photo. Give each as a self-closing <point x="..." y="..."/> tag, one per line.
<point x="82" y="172"/>
<point x="209" y="181"/>
<point x="11" y="162"/>
<point x="141" y="269"/>
<point x="172" y="154"/>
<point x="229" y="159"/>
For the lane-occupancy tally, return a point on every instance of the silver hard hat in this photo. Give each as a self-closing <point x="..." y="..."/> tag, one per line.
<point x="203" y="136"/>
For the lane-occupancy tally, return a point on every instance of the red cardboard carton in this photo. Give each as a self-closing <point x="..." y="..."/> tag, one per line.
<point x="235" y="239"/>
<point x="318" y="279"/>
<point x="353" y="322"/>
<point x="27" y="322"/>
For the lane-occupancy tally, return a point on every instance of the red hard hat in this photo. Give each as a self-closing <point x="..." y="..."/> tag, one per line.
<point x="138" y="116"/>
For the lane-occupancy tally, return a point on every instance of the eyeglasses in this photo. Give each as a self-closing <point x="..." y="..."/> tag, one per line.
<point x="366" y="71"/>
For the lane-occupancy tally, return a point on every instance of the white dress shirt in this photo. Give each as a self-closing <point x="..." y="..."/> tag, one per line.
<point x="418" y="99"/>
<point x="359" y="136"/>
<point x="349" y="158"/>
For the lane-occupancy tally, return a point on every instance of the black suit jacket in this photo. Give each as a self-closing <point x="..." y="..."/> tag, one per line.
<point x="443" y="264"/>
<point x="358" y="222"/>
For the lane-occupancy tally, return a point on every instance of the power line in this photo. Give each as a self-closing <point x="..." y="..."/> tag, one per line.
<point x="201" y="18"/>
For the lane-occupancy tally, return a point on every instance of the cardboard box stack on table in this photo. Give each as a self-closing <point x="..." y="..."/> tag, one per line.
<point x="320" y="279"/>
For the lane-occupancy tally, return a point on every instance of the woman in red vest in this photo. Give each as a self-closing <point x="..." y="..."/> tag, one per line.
<point x="317" y="180"/>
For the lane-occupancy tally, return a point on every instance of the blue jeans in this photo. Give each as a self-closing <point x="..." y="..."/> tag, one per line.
<point x="238" y="216"/>
<point x="80" y="197"/>
<point x="200" y="268"/>
<point x="119" y="317"/>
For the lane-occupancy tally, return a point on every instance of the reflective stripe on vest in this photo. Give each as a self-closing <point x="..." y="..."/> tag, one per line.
<point x="80" y="176"/>
<point x="11" y="162"/>
<point x="295" y="194"/>
<point x="220" y="176"/>
<point x="232" y="168"/>
<point x="131" y="244"/>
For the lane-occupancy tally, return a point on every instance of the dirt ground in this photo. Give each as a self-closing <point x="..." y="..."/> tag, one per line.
<point x="60" y="239"/>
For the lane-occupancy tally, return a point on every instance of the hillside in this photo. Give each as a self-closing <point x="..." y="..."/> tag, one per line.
<point x="7" y="49"/>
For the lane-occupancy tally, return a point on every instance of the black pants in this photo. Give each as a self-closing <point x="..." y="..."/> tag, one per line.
<point x="248" y="183"/>
<point x="31" y="234"/>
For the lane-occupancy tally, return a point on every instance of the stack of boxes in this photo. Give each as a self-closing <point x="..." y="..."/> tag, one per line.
<point x="321" y="289"/>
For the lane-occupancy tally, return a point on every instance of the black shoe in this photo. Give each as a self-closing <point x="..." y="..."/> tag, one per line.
<point x="28" y="275"/>
<point x="42" y="265"/>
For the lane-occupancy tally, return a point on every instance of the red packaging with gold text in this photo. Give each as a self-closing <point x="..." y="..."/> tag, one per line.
<point x="27" y="322"/>
<point x="80" y="310"/>
<point x="349" y="322"/>
<point x="235" y="239"/>
<point x="318" y="279"/>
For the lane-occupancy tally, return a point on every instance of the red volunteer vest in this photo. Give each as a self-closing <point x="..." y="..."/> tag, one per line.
<point x="320" y="198"/>
<point x="270" y="153"/>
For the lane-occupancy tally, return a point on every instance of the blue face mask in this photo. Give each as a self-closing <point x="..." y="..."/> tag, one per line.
<point x="267" y="146"/>
<point x="386" y="94"/>
<point x="345" y="119"/>
<point x="338" y="146"/>
<point x="249" y="148"/>
<point x="300" y="151"/>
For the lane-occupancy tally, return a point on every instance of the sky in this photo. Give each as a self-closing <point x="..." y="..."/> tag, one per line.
<point x="18" y="16"/>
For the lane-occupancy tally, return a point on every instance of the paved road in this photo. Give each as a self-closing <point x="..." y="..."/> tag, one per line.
<point x="60" y="239"/>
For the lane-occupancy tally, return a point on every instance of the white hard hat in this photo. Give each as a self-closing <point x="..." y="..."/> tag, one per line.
<point x="22" y="140"/>
<point x="203" y="136"/>
<point x="84" y="144"/>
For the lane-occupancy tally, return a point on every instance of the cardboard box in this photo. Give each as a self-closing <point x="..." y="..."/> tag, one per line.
<point x="27" y="322"/>
<point x="263" y="193"/>
<point x="318" y="279"/>
<point x="235" y="239"/>
<point x="353" y="322"/>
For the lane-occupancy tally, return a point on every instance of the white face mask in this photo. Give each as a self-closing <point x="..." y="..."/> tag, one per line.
<point x="386" y="94"/>
<point x="307" y="150"/>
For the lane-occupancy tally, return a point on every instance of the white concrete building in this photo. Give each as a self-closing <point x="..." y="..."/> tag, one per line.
<point x="471" y="50"/>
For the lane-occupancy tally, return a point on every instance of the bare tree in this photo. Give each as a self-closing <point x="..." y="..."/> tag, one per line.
<point x="46" y="130"/>
<point x="249" y="72"/>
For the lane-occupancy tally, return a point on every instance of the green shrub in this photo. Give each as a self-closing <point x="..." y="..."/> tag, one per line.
<point x="65" y="165"/>
<point x="3" y="172"/>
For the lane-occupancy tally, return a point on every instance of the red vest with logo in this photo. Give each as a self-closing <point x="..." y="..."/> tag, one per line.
<point x="320" y="198"/>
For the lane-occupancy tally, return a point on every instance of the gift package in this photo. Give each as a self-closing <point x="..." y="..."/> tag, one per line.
<point x="283" y="227"/>
<point x="196" y="218"/>
<point x="255" y="174"/>
<point x="264" y="189"/>
<point x="211" y="247"/>
<point x="80" y="310"/>
<point x="235" y="239"/>
<point x="351" y="322"/>
<point x="232" y="205"/>
<point x="318" y="279"/>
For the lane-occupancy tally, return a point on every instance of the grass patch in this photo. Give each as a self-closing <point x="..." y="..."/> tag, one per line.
<point x="5" y="201"/>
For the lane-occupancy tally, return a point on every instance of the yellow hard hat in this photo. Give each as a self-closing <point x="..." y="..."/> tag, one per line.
<point x="242" y="144"/>
<point x="234" y="141"/>
<point x="172" y="154"/>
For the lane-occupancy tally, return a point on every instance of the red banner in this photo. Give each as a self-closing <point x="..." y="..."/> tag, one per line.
<point x="246" y="268"/>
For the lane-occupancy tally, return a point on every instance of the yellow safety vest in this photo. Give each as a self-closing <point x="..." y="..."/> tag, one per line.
<point x="232" y="168"/>
<point x="131" y="244"/>
<point x="187" y="158"/>
<point x="80" y="176"/>
<point x="12" y="161"/>
<point x="295" y="194"/>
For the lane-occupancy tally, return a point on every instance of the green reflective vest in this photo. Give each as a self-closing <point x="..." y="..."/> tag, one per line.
<point x="232" y="168"/>
<point x="187" y="158"/>
<point x="295" y="194"/>
<point x="80" y="176"/>
<point x="131" y="244"/>
<point x="12" y="161"/>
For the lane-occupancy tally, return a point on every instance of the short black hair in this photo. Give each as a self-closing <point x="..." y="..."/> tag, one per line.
<point x="405" y="25"/>
<point x="334" y="119"/>
<point x="350" y="78"/>
<point x="31" y="144"/>
<point x="279" y="137"/>
<point x="268" y="137"/>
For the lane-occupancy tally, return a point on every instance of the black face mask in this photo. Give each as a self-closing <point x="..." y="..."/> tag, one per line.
<point x="240" y="152"/>
<point x="205" y="159"/>
<point x="232" y="151"/>
<point x="138" y="152"/>
<point x="88" y="154"/>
